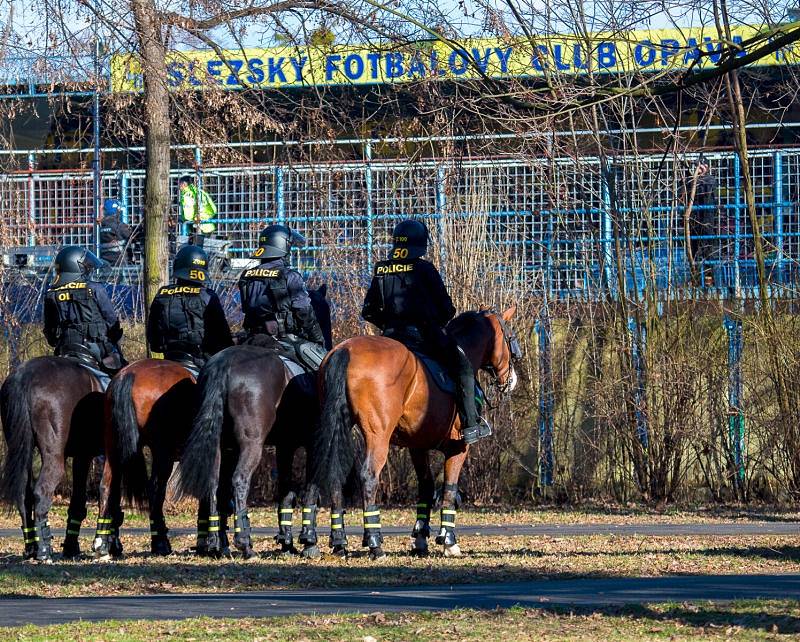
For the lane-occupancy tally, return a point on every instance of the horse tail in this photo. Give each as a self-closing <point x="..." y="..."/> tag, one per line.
<point x="15" y="413"/>
<point x="125" y="429"/>
<point x="203" y="444"/>
<point x="333" y="443"/>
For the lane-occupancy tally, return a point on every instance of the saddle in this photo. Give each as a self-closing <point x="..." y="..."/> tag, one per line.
<point x="188" y="361"/>
<point x="299" y="355"/>
<point x="85" y="358"/>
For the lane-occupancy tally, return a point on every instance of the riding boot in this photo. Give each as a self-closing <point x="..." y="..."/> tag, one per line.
<point x="308" y="532"/>
<point x="44" y="539"/>
<point x="338" y="538"/>
<point x="159" y="538"/>
<point x="285" y="537"/>
<point x="473" y="427"/>
<point x="71" y="547"/>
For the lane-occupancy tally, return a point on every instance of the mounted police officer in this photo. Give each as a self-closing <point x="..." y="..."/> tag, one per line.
<point x="186" y="321"/>
<point x="79" y="320"/>
<point x="114" y="234"/>
<point x="275" y="301"/>
<point x="409" y="302"/>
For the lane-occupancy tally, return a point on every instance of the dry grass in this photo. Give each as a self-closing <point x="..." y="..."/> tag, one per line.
<point x="741" y="620"/>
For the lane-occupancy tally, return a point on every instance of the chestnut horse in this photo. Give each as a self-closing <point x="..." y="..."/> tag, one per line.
<point x="55" y="406"/>
<point x="380" y="386"/>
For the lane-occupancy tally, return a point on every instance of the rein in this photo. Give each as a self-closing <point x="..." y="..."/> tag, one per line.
<point x="515" y="352"/>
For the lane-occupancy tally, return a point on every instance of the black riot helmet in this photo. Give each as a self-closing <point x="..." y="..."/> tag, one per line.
<point x="191" y="264"/>
<point x="275" y="241"/>
<point x="74" y="263"/>
<point x="409" y="240"/>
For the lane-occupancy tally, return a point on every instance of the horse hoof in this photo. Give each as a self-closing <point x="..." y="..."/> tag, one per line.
<point x="287" y="550"/>
<point x="161" y="547"/>
<point x="311" y="552"/>
<point x="248" y="553"/>
<point x="419" y="547"/>
<point x="71" y="551"/>
<point x="376" y="553"/>
<point x="340" y="551"/>
<point x="452" y="551"/>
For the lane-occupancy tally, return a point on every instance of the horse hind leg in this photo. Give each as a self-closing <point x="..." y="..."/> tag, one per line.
<point x="376" y="454"/>
<point x="52" y="472"/>
<point x="107" y="544"/>
<point x="76" y="513"/>
<point x="450" y="500"/>
<point x="26" y="513"/>
<point x="285" y="537"/>
<point x="249" y="458"/>
<point x="425" y="483"/>
<point x="159" y="533"/>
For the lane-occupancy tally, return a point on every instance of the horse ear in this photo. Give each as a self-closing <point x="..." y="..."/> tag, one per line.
<point x="510" y="312"/>
<point x="323" y="289"/>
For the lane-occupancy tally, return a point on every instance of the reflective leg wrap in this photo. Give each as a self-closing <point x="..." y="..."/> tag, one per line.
<point x="73" y="526"/>
<point x="447" y="532"/>
<point x="372" y="527"/>
<point x="213" y="536"/>
<point x="202" y="536"/>
<point x="308" y="532"/>
<point x="30" y="539"/>
<point x="285" y="535"/>
<point x="422" y="527"/>
<point x="241" y="529"/>
<point x="71" y="546"/>
<point x="338" y="534"/>
<point x="102" y="535"/>
<point x="43" y="540"/>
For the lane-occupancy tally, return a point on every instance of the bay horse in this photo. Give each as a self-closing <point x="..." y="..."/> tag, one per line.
<point x="55" y="406"/>
<point x="152" y="403"/>
<point x="249" y="399"/>
<point x="380" y="386"/>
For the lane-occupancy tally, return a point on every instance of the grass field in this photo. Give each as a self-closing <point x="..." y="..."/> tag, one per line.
<point x="486" y="559"/>
<point x="740" y="620"/>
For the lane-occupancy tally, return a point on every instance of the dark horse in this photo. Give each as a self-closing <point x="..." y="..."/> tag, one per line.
<point x="55" y="406"/>
<point x="151" y="403"/>
<point x="249" y="399"/>
<point x="380" y="386"/>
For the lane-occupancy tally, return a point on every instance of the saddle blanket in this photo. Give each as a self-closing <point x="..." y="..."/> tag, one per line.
<point x="437" y="373"/>
<point x="103" y="377"/>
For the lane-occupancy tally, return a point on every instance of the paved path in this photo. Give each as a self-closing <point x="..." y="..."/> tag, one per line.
<point x="588" y="592"/>
<point x="546" y="530"/>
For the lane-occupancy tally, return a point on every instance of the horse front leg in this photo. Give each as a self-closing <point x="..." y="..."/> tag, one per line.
<point x="77" y="506"/>
<point x="425" y="492"/>
<point x="454" y="461"/>
<point x="376" y="453"/>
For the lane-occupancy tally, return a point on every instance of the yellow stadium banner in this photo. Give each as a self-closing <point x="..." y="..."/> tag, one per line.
<point x="660" y="50"/>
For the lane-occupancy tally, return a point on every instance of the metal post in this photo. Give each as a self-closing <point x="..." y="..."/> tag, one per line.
<point x="546" y="397"/>
<point x="737" y="242"/>
<point x="441" y="205"/>
<point x="638" y="345"/>
<point x="96" y="160"/>
<point x="280" y="204"/>
<point x="124" y="197"/>
<point x="31" y="199"/>
<point x="605" y="222"/>
<point x="777" y="168"/>
<point x="369" y="205"/>
<point x="736" y="425"/>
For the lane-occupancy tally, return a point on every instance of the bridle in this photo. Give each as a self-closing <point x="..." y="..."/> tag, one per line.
<point x="515" y="352"/>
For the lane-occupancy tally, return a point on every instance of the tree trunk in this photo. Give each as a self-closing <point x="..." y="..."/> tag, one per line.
<point x="157" y="139"/>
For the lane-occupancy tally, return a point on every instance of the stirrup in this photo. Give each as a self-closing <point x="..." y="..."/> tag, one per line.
<point x="472" y="434"/>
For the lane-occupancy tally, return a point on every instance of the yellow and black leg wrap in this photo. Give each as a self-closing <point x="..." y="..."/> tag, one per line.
<point x="422" y="527"/>
<point x="241" y="530"/>
<point x="308" y="532"/>
<point x="372" y="527"/>
<point x="338" y="535"/>
<point x="285" y="537"/>
<point x="43" y="539"/>
<point x="103" y="535"/>
<point x="71" y="547"/>
<point x="447" y="532"/>
<point x="30" y="538"/>
<point x="213" y="535"/>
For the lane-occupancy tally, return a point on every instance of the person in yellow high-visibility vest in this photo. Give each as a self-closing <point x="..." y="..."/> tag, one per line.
<point x="196" y="207"/>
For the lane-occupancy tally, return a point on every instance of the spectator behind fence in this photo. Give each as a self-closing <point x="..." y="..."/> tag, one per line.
<point x="114" y="234"/>
<point x="196" y="208"/>
<point x="701" y="221"/>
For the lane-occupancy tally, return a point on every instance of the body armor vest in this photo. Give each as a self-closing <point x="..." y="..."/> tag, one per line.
<point x="182" y="326"/>
<point x="265" y="297"/>
<point x="79" y="318"/>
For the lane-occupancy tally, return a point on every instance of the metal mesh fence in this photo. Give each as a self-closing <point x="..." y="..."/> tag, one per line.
<point x="564" y="225"/>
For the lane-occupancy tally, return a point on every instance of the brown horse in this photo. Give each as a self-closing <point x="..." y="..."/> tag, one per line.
<point x="150" y="403"/>
<point x="380" y="386"/>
